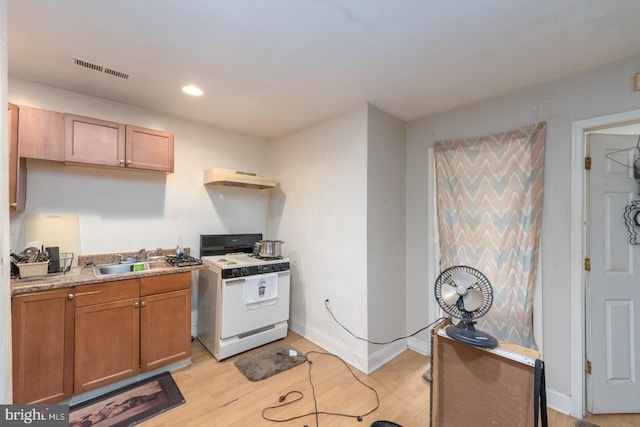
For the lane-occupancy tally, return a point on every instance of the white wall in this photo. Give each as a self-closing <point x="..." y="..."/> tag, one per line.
<point x="319" y="210"/>
<point x="340" y="211"/>
<point x="5" y="297"/>
<point x="602" y="91"/>
<point x="386" y="298"/>
<point x="122" y="210"/>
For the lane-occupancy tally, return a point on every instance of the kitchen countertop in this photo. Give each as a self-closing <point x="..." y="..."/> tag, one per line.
<point x="79" y="276"/>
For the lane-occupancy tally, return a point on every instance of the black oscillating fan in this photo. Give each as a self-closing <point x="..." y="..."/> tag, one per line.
<point x="465" y="293"/>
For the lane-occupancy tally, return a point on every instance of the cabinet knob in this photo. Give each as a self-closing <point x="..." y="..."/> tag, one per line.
<point x="13" y="205"/>
<point x="70" y="297"/>
<point x="128" y="162"/>
<point x="136" y="304"/>
<point x="121" y="162"/>
<point x="144" y="303"/>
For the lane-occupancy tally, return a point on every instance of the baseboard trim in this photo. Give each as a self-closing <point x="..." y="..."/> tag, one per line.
<point x="346" y="353"/>
<point x="419" y="346"/>
<point x="558" y="401"/>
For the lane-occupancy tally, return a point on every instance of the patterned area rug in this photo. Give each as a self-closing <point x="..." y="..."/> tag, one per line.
<point x="269" y="361"/>
<point x="130" y="405"/>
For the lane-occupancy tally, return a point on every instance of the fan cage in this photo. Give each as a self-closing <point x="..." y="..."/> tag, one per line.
<point x="481" y="285"/>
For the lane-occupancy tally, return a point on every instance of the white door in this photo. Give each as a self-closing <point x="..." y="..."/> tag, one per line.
<point x="613" y="285"/>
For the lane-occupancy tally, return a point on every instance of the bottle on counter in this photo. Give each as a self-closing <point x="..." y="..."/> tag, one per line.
<point x="180" y="248"/>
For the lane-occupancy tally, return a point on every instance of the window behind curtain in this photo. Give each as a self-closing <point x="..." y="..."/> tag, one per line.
<point x="489" y="206"/>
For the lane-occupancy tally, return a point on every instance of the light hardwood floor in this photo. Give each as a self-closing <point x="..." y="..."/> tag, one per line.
<point x="217" y="394"/>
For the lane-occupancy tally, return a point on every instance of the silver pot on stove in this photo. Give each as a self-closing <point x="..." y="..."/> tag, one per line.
<point x="268" y="248"/>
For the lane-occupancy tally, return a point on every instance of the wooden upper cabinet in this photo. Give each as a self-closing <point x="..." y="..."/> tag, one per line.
<point x="17" y="164"/>
<point x="99" y="142"/>
<point x="70" y="138"/>
<point x="94" y="141"/>
<point x="41" y="134"/>
<point x="149" y="149"/>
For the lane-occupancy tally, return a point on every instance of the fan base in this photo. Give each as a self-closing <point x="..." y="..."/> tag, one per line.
<point x="471" y="336"/>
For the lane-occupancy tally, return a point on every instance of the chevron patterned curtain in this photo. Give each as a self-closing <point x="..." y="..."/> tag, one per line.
<point x="489" y="202"/>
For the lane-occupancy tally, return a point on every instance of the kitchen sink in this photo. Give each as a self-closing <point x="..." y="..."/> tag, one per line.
<point x="101" y="270"/>
<point x="122" y="268"/>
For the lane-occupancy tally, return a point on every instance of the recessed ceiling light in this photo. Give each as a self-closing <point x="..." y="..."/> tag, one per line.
<point x="192" y="90"/>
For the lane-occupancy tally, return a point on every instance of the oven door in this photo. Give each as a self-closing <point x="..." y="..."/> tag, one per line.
<point x="236" y="319"/>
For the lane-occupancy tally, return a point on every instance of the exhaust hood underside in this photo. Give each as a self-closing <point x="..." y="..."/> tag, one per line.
<point x="234" y="178"/>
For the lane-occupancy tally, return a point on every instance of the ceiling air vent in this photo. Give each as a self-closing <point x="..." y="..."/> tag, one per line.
<point x="101" y="68"/>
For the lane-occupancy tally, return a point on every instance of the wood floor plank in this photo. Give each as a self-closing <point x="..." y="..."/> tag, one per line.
<point x="218" y="395"/>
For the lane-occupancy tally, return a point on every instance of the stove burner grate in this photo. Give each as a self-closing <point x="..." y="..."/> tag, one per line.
<point x="265" y="258"/>
<point x="186" y="261"/>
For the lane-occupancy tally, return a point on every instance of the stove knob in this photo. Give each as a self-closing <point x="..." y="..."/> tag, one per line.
<point x="235" y="272"/>
<point x="244" y="271"/>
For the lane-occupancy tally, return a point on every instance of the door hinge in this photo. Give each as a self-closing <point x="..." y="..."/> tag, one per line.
<point x="587" y="163"/>
<point x="587" y="366"/>
<point x="587" y="264"/>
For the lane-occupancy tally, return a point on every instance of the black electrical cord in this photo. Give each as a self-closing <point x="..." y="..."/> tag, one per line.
<point x="437" y="321"/>
<point x="316" y="413"/>
<point x="300" y="395"/>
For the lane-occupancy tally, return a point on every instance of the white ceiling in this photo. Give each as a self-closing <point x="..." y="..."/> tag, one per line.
<point x="270" y="67"/>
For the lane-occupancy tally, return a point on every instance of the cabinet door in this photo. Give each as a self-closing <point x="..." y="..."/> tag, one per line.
<point x="94" y="141"/>
<point x="17" y="164"/>
<point x="165" y="328"/>
<point x="41" y="134"/>
<point x="165" y="283"/>
<point x="43" y="331"/>
<point x="149" y="149"/>
<point x="107" y="343"/>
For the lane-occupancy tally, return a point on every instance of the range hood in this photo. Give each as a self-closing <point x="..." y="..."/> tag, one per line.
<point x="235" y="178"/>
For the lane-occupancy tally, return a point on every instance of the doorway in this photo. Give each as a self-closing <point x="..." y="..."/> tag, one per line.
<point x="612" y="340"/>
<point x="579" y="251"/>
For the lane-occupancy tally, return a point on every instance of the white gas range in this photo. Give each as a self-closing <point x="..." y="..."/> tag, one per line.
<point x="243" y="300"/>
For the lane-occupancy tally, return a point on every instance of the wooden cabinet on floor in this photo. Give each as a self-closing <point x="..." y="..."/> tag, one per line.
<point x="43" y="328"/>
<point x="129" y="326"/>
<point x="104" y="143"/>
<point x="74" y="340"/>
<point x="107" y="343"/>
<point x="41" y="134"/>
<point x="17" y="164"/>
<point x="165" y="320"/>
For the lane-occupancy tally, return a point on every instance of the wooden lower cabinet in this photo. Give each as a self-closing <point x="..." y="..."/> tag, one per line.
<point x="74" y="340"/>
<point x="107" y="344"/>
<point x="165" y="319"/>
<point x="130" y="326"/>
<point x="165" y="329"/>
<point x="43" y="335"/>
